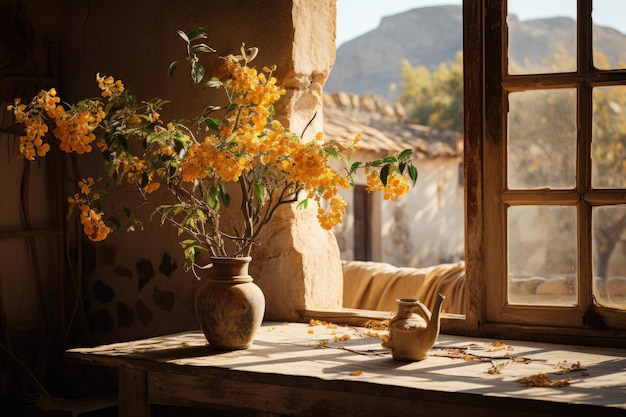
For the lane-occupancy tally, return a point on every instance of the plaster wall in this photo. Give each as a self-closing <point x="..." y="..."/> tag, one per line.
<point x="423" y="228"/>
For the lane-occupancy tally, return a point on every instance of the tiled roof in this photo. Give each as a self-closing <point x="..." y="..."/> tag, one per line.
<point x="384" y="127"/>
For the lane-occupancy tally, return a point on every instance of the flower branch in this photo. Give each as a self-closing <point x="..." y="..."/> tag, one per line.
<point x="236" y="143"/>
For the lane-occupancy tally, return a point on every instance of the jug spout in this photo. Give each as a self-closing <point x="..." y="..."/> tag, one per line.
<point x="434" y="324"/>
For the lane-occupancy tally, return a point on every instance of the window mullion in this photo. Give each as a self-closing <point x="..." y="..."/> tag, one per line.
<point x="494" y="160"/>
<point x="583" y="164"/>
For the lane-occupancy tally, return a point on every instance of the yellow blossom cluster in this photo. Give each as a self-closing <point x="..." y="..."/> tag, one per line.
<point x="139" y="172"/>
<point x="397" y="184"/>
<point x="75" y="132"/>
<point x="253" y="94"/>
<point x="109" y="86"/>
<point x="243" y="138"/>
<point x="91" y="220"/>
<point x="206" y="159"/>
<point x="73" y="128"/>
<point x="310" y="168"/>
<point x="32" y="116"/>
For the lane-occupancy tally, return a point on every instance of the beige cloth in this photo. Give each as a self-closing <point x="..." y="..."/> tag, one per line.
<point x="376" y="285"/>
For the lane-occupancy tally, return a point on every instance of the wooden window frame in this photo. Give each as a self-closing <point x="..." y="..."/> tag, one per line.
<point x="486" y="85"/>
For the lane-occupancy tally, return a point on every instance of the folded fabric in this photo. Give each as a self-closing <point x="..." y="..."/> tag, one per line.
<point x="376" y="285"/>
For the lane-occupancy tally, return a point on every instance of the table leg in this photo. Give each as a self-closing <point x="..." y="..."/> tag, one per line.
<point x="132" y="393"/>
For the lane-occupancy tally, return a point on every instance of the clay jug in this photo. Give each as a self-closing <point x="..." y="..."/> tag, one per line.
<point x="229" y="306"/>
<point x="414" y="330"/>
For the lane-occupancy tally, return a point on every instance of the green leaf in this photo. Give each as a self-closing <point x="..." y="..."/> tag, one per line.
<point x="187" y="265"/>
<point x="200" y="215"/>
<point x="405" y="154"/>
<point x="212" y="198"/>
<point x="183" y="35"/>
<point x="159" y="103"/>
<point x="138" y="223"/>
<point x="197" y="33"/>
<point x="261" y="192"/>
<point x="115" y="222"/>
<point x="200" y="48"/>
<point x="212" y="123"/>
<point x="355" y="166"/>
<point x="401" y="167"/>
<point x="224" y="195"/>
<point x="164" y="214"/>
<point x="127" y="212"/>
<point x="384" y="174"/>
<point x="390" y="159"/>
<point x="214" y="82"/>
<point x="197" y="72"/>
<point x="303" y="204"/>
<point x="413" y="174"/>
<point x="332" y="152"/>
<point x="170" y="70"/>
<point x="376" y="163"/>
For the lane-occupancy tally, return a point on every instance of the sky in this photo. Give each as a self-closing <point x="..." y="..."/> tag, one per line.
<point x="356" y="17"/>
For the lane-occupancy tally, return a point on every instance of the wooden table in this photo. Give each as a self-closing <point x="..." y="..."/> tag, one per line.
<point x="299" y="369"/>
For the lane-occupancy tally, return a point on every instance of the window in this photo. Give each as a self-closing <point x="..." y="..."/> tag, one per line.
<point x="545" y="161"/>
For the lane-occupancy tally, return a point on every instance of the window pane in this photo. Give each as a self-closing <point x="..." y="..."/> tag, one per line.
<point x="542" y="255"/>
<point x="609" y="45"/>
<point x="608" y="146"/>
<point x="541" y="39"/>
<point x="609" y="260"/>
<point x="542" y="139"/>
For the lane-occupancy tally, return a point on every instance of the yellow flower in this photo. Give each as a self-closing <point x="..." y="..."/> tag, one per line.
<point x="109" y="87"/>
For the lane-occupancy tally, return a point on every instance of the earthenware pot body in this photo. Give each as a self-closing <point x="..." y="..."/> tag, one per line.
<point x="414" y="330"/>
<point x="229" y="305"/>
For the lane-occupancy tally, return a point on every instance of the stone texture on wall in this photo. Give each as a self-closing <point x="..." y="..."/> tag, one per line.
<point x="297" y="263"/>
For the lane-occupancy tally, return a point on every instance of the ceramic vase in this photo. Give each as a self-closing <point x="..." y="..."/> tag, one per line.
<point x="229" y="305"/>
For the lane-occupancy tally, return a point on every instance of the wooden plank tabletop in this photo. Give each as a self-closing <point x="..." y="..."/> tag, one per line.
<point x="456" y="365"/>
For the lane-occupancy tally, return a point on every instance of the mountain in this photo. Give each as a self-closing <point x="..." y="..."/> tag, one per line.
<point x="428" y="36"/>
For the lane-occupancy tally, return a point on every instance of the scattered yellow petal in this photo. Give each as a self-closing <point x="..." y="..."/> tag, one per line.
<point x="358" y="372"/>
<point x="321" y="344"/>
<point x="495" y="346"/>
<point x="543" y="380"/>
<point x="342" y="338"/>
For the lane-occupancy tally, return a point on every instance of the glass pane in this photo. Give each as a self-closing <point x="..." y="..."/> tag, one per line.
<point x="542" y="139"/>
<point x="609" y="43"/>
<point x="542" y="255"/>
<point x="609" y="256"/>
<point x="542" y="36"/>
<point x="608" y="146"/>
